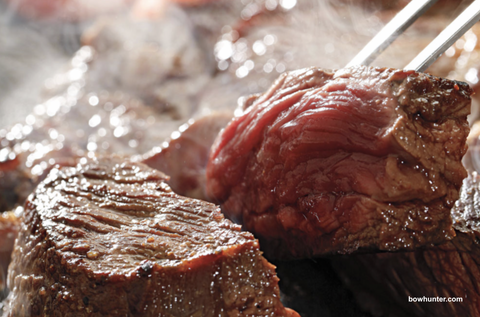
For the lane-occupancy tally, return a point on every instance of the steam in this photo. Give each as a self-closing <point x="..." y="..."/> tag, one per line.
<point x="30" y="52"/>
<point x="37" y="40"/>
<point x="278" y="36"/>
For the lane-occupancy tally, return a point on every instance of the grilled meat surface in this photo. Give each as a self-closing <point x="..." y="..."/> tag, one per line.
<point x="109" y="238"/>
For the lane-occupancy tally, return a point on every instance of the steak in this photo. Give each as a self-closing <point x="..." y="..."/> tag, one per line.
<point x="331" y="162"/>
<point x="109" y="238"/>
<point x="433" y="276"/>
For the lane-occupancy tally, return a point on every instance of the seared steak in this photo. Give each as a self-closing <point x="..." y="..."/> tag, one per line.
<point x="328" y="162"/>
<point x="109" y="238"/>
<point x="406" y="283"/>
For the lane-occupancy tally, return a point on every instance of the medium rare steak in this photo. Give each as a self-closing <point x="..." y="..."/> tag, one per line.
<point x="327" y="162"/>
<point x="109" y="238"/>
<point x="439" y="281"/>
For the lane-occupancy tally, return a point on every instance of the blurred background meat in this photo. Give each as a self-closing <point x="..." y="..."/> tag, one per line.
<point x="166" y="69"/>
<point x="186" y="156"/>
<point x="214" y="61"/>
<point x="66" y="10"/>
<point x="9" y="227"/>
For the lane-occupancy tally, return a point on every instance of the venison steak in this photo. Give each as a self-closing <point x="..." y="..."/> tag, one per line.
<point x="109" y="238"/>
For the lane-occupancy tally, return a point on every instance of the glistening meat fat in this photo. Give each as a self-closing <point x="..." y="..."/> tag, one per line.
<point x="109" y="238"/>
<point x="331" y="162"/>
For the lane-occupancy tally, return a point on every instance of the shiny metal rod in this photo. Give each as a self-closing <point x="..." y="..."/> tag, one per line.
<point x="391" y="31"/>
<point x="444" y="40"/>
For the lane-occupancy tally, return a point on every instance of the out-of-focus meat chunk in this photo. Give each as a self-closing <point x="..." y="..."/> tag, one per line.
<point x="110" y="238"/>
<point x="164" y="69"/>
<point x="439" y="281"/>
<point x="327" y="162"/>
<point x="185" y="156"/>
<point x="471" y="160"/>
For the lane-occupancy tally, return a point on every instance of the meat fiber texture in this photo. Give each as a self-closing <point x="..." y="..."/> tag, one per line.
<point x="331" y="162"/>
<point x="445" y="278"/>
<point x="109" y="238"/>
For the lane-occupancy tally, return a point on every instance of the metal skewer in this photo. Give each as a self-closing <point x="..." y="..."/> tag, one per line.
<point x="444" y="40"/>
<point x="391" y="31"/>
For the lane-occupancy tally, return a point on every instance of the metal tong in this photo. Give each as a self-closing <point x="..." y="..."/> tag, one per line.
<point x="403" y="20"/>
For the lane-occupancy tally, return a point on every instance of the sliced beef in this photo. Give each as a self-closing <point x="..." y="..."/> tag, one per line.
<point x="185" y="156"/>
<point x="386" y="283"/>
<point x="328" y="162"/>
<point x="109" y="238"/>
